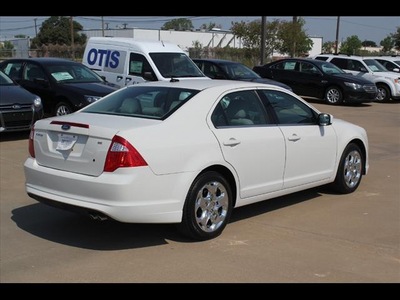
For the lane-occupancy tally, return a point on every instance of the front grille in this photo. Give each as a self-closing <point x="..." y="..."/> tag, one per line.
<point x="20" y="118"/>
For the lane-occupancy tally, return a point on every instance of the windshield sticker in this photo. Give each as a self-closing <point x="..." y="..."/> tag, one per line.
<point x="60" y="76"/>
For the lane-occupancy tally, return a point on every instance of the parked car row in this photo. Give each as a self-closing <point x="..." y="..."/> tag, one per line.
<point x="339" y="79"/>
<point x="387" y="82"/>
<point x="323" y="80"/>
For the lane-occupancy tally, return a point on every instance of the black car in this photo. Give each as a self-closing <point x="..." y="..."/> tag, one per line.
<point x="63" y="85"/>
<point x="19" y="108"/>
<point x="231" y="70"/>
<point x="319" y="79"/>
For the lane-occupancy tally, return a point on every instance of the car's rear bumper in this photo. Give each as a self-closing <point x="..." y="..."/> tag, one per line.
<point x="131" y="195"/>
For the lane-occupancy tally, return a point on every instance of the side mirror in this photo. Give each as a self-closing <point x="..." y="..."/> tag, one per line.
<point x="396" y="70"/>
<point x="324" y="119"/>
<point x="149" y="76"/>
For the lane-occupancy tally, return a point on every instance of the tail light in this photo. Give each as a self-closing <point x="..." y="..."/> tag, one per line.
<point x="31" y="147"/>
<point x="122" y="154"/>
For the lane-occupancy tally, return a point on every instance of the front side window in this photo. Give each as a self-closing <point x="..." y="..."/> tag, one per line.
<point x="138" y="66"/>
<point x="288" y="109"/>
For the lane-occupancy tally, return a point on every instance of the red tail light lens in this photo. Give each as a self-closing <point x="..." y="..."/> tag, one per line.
<point x="31" y="147"/>
<point x="122" y="154"/>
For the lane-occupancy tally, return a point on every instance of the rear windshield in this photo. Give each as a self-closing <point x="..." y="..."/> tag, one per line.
<point x="142" y="101"/>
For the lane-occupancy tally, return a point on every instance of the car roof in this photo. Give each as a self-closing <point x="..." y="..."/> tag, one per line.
<point x="217" y="60"/>
<point x="300" y="59"/>
<point x="43" y="60"/>
<point x="199" y="84"/>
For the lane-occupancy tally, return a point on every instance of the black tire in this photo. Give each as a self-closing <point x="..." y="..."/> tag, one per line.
<point x="350" y="170"/>
<point x="208" y="207"/>
<point x="62" y="108"/>
<point x="383" y="93"/>
<point x="333" y="95"/>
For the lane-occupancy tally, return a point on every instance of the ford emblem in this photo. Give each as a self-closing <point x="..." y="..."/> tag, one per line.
<point x="65" y="126"/>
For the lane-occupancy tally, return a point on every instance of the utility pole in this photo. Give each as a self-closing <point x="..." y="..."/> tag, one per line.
<point x="35" y="27"/>
<point x="102" y="25"/>
<point x="72" y="37"/>
<point x="294" y="36"/>
<point x="337" y="35"/>
<point x="263" y="25"/>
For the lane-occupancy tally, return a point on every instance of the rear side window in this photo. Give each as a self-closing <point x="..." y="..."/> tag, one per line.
<point x="13" y="70"/>
<point x="240" y="109"/>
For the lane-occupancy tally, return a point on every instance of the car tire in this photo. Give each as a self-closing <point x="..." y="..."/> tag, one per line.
<point x="333" y="95"/>
<point x="383" y="93"/>
<point x="350" y="170"/>
<point x="207" y="208"/>
<point x="62" y="108"/>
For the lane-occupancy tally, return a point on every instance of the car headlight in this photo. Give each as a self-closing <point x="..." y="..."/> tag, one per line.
<point x="91" y="99"/>
<point x="37" y="102"/>
<point x="353" y="85"/>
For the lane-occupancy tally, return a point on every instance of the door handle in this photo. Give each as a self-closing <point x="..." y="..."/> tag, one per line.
<point x="293" y="138"/>
<point x="232" y="142"/>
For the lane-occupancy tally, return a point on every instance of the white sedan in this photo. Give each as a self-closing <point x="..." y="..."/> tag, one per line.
<point x="188" y="152"/>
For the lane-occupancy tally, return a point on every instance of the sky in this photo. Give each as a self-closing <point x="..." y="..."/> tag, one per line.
<point x="371" y="28"/>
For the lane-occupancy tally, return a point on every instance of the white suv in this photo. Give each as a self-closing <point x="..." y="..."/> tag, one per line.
<point x="392" y="63"/>
<point x="388" y="83"/>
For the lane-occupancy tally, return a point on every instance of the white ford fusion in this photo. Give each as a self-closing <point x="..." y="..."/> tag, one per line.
<point x="189" y="152"/>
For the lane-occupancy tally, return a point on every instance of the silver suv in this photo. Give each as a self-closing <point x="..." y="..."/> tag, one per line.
<point x="392" y="63"/>
<point x="388" y="83"/>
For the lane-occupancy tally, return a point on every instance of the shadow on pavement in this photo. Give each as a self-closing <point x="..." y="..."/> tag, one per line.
<point x="14" y="136"/>
<point x="76" y="230"/>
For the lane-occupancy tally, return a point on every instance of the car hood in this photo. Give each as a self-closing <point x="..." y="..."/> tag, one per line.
<point x="353" y="78"/>
<point x="90" y="88"/>
<point x="13" y="94"/>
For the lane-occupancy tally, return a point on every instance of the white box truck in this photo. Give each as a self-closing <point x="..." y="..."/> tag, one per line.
<point x="126" y="61"/>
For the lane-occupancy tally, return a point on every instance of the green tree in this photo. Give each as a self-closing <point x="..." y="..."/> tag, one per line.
<point x="20" y="36"/>
<point x="328" y="47"/>
<point x="6" y="49"/>
<point x="351" y="46"/>
<point x="57" y="30"/>
<point x="293" y="39"/>
<point x="180" y="24"/>
<point x="209" y="26"/>
<point x="396" y="38"/>
<point x="368" y="44"/>
<point x="387" y="44"/>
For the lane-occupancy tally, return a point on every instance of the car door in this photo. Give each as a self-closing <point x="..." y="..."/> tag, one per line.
<point x="286" y="72"/>
<point x="309" y="80"/>
<point x="35" y="79"/>
<point x="310" y="148"/>
<point x="250" y="143"/>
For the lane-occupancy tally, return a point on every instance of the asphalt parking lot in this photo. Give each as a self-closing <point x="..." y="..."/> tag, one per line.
<point x="313" y="236"/>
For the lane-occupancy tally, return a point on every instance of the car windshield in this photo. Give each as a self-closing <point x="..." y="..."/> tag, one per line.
<point x="374" y="65"/>
<point x="175" y="65"/>
<point x="142" y="101"/>
<point x="238" y="71"/>
<point x="71" y="73"/>
<point x="330" y="68"/>
<point x="5" y="80"/>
